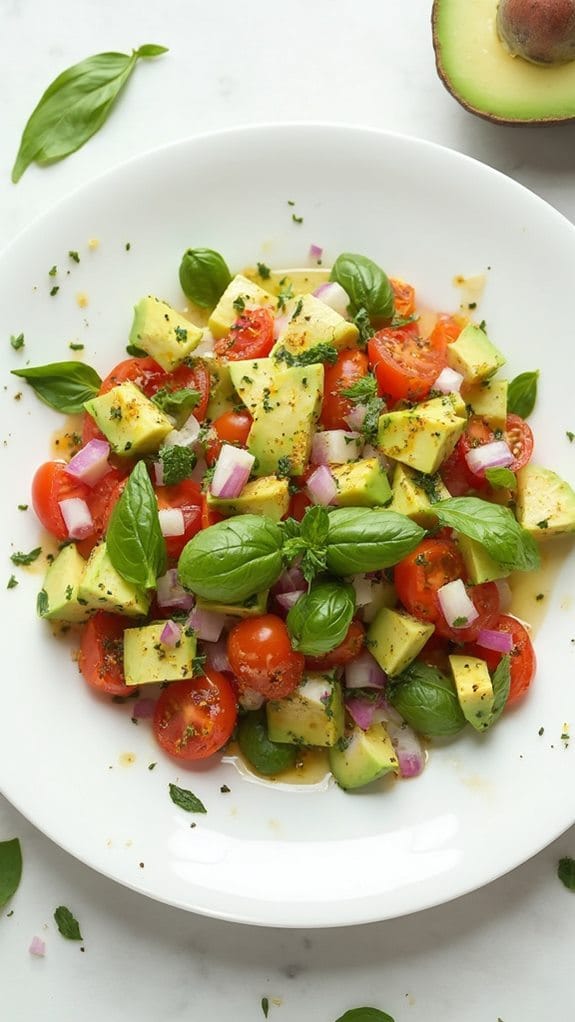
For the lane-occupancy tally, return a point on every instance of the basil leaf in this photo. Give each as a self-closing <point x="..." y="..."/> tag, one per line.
<point x="315" y="525"/>
<point x="320" y="619"/>
<point x="75" y="105"/>
<point x="522" y="394"/>
<point x="267" y="757"/>
<point x="204" y="276"/>
<point x="566" y="872"/>
<point x="365" y="1015"/>
<point x="177" y="403"/>
<point x="185" y="799"/>
<point x="501" y="477"/>
<point x="134" y="539"/>
<point x="232" y="560"/>
<point x="367" y="285"/>
<point x="363" y="539"/>
<point x="64" y="386"/>
<point x="494" y="527"/>
<point x="67" y="924"/>
<point x="10" y="869"/>
<point x="501" y="681"/>
<point x="427" y="700"/>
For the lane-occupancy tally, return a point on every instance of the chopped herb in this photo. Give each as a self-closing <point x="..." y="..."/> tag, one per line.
<point x="17" y="341"/>
<point x="69" y="592"/>
<point x="152" y="766"/>
<point x="362" y="389"/>
<point x="320" y="353"/>
<point x="399" y="321"/>
<point x="198" y="663"/>
<point x="540" y="596"/>
<point x="181" y="333"/>
<point x="12" y="582"/>
<point x="54" y="290"/>
<point x="566" y="872"/>
<point x="431" y="485"/>
<point x="76" y="347"/>
<point x="135" y="352"/>
<point x="186" y="800"/>
<point x="239" y="303"/>
<point x="128" y="246"/>
<point x="177" y="403"/>
<point x="363" y="324"/>
<point x="297" y="219"/>
<point x="570" y="436"/>
<point x="67" y="924"/>
<point x="290" y="202"/>
<point x="297" y="309"/>
<point x="265" y="1006"/>
<point x="53" y="271"/>
<point x="20" y="558"/>
<point x="459" y="622"/>
<point x="115" y="412"/>
<point x="42" y="602"/>
<point x="264" y="271"/>
<point x="543" y="524"/>
<point x="74" y="255"/>
<point x="483" y="326"/>
<point x="10" y="869"/>
<point x="541" y="731"/>
<point x="472" y="305"/>
<point x="284" y="295"/>
<point x="501" y="477"/>
<point x="178" y="464"/>
<point x="266" y="403"/>
<point x="284" y="467"/>
<point x="225" y="790"/>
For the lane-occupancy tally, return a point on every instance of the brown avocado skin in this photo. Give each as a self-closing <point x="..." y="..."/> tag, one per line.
<point x="493" y="117"/>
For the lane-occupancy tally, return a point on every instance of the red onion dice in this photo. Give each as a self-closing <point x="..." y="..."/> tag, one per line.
<point x="171" y="633"/>
<point x="90" y="464"/>
<point x="408" y="748"/>
<point x="456" y="606"/>
<point x="321" y="486"/>
<point x="364" y="672"/>
<point x="501" y="642"/>
<point x="333" y="294"/>
<point x="77" y="517"/>
<point x="232" y="472"/>
<point x="170" y="593"/>
<point x="172" y="521"/>
<point x="448" y="382"/>
<point x="335" y="447"/>
<point x="206" y="624"/>
<point x="494" y="455"/>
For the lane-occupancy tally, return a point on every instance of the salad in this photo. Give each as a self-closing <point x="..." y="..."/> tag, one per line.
<point x="291" y="516"/>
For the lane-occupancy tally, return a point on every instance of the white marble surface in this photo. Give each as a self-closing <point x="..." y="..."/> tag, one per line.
<point x="501" y="953"/>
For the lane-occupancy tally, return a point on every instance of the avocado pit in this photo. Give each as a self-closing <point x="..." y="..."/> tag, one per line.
<point x="541" y="31"/>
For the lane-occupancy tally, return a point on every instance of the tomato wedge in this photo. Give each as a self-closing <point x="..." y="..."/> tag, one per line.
<point x="523" y="659"/>
<point x="262" y="658"/>
<point x="196" y="717"/>
<point x="406" y="365"/>
<point x="251" y="336"/>
<point x="50" y="485"/>
<point x="350" y="367"/>
<point x="101" y="657"/>
<point x="187" y="497"/>
<point x="229" y="428"/>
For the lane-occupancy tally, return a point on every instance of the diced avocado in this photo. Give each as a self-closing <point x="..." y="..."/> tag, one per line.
<point x="479" y="565"/>
<point x="395" y="639"/>
<point x="474" y="689"/>
<point x="222" y="393"/>
<point x="421" y="437"/>
<point x="383" y="594"/>
<point x="104" y="589"/>
<point x="361" y="483"/>
<point x="301" y="282"/>
<point x="473" y="355"/>
<point x="251" y="378"/>
<point x="164" y="333"/>
<point x="254" y="606"/>
<point x="415" y="493"/>
<point x="360" y="757"/>
<point x="312" y="322"/>
<point x="312" y="715"/>
<point x="58" y="600"/>
<point x="131" y="423"/>
<point x="245" y="294"/>
<point x="489" y="400"/>
<point x="148" y="660"/>
<point x="545" y="503"/>
<point x="268" y="496"/>
<point x="282" y="430"/>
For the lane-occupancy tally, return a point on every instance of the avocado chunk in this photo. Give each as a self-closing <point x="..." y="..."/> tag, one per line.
<point x="383" y="594"/>
<point x="104" y="589"/>
<point x="360" y="757"/>
<point x="58" y="599"/>
<point x="545" y="503"/>
<point x="480" y="566"/>
<point x="312" y="322"/>
<point x="165" y="334"/>
<point x="267" y="757"/>
<point x="254" y="606"/>
<point x="395" y="639"/>
<point x="222" y="393"/>
<point x="486" y="79"/>
<point x="147" y="660"/>
<point x="282" y="431"/>
<point x="415" y="493"/>
<point x="251" y="378"/>
<point x="424" y="436"/>
<point x="131" y="423"/>
<point x="312" y="715"/>
<point x="361" y="483"/>
<point x="268" y="496"/>
<point x="240" y="294"/>
<point x="473" y="355"/>
<point x="488" y="399"/>
<point x="297" y="282"/>
<point x="474" y="689"/>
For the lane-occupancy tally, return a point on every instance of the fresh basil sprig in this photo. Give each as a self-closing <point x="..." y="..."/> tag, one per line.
<point x="522" y="394"/>
<point x="307" y="540"/>
<point x="134" y="539"/>
<point x="232" y="560"/>
<point x="494" y="527"/>
<point x="362" y="539"/>
<point x="367" y="285"/>
<point x="204" y="276"/>
<point x="427" y="700"/>
<point x="10" y="869"/>
<point x="320" y="619"/>
<point x="64" y="386"/>
<point x="75" y="105"/>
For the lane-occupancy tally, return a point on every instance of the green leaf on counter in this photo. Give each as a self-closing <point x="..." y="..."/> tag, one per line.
<point x="67" y="924"/>
<point x="10" y="869"/>
<point x="64" y="386"/>
<point x="522" y="394"/>
<point x="185" y="799"/>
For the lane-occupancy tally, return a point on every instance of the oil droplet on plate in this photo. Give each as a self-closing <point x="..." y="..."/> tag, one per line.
<point x="127" y="759"/>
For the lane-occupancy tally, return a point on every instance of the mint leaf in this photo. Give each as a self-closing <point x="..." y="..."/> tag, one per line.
<point x="10" y="869"/>
<point x="67" y="924"/>
<point x="186" y="800"/>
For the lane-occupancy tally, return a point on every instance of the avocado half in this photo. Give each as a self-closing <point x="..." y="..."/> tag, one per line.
<point x="480" y="74"/>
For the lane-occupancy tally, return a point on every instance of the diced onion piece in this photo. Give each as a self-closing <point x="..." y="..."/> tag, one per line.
<point x="77" y="517"/>
<point x="335" y="447"/>
<point x="186" y="436"/>
<point x="385" y="713"/>
<point x="364" y="672"/>
<point x="169" y="592"/>
<point x="144" y="708"/>
<point x="289" y="580"/>
<point x="448" y="382"/>
<point x="361" y="711"/>
<point x="172" y="521"/>
<point x="505" y="594"/>
<point x="321" y="486"/>
<point x="494" y="455"/>
<point x="171" y="633"/>
<point x="232" y="472"/>
<point x="217" y="655"/>
<point x="333" y="294"/>
<point x="206" y="624"/>
<point x="280" y="324"/>
<point x="315" y="251"/>
<point x="158" y="467"/>
<point x="363" y="590"/>
<point x="409" y="750"/>
<point x="501" y="642"/>
<point x="289" y="600"/>
<point x="90" y="464"/>
<point x="249" y="699"/>
<point x="456" y="606"/>
<point x="206" y="345"/>
<point x="37" y="947"/>
<point x="356" y="417"/>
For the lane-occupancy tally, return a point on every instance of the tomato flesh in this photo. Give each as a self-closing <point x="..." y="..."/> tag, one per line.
<point x="404" y="296"/>
<point x="187" y="497"/>
<point x="229" y="428"/>
<point x="522" y="658"/>
<point x="343" y="654"/>
<point x="251" y="336"/>
<point x="350" y="367"/>
<point x="101" y="657"/>
<point x="195" y="718"/>
<point x="406" y="365"/>
<point x="50" y="485"/>
<point x="261" y="657"/>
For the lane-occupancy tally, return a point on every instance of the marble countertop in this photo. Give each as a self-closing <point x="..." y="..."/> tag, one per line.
<point x="502" y="954"/>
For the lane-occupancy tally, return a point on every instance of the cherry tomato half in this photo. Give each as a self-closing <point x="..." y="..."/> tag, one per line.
<point x="343" y="654"/>
<point x="186" y="496"/>
<point x="404" y="295"/>
<point x="101" y="658"/>
<point x="350" y="367"/>
<point x="50" y="485"/>
<point x="406" y="365"/>
<point x="262" y="658"/>
<point x="523" y="659"/>
<point x="229" y="428"/>
<point x="447" y="329"/>
<point x="195" y="718"/>
<point x="101" y="500"/>
<point x="251" y="336"/>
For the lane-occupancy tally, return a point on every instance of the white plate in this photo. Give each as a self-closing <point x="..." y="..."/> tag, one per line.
<point x="264" y="854"/>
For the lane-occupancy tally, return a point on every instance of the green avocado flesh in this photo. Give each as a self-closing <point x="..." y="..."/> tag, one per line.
<point x="479" y="72"/>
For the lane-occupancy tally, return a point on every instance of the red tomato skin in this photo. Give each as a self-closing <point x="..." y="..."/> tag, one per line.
<point x="251" y="336"/>
<point x="187" y="496"/>
<point x="194" y="718"/>
<point x="261" y="657"/>
<point x="51" y="484"/>
<point x="405" y="364"/>
<point x="229" y="428"/>
<point x="404" y="296"/>
<point x="350" y="367"/>
<point x="432" y="564"/>
<point x="523" y="657"/>
<point x="101" y="654"/>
